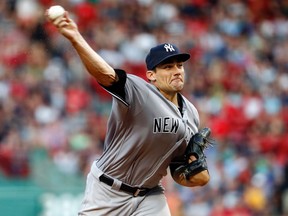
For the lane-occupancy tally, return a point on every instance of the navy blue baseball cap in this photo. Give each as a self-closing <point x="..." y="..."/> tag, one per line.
<point x="162" y="52"/>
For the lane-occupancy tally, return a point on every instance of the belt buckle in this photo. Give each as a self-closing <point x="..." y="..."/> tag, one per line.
<point x="138" y="191"/>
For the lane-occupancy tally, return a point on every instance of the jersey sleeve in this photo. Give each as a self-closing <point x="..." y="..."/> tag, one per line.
<point x="118" y="88"/>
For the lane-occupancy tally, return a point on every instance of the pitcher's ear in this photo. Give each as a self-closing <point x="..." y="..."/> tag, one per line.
<point x="150" y="74"/>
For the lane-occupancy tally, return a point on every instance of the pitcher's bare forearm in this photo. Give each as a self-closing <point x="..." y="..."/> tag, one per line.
<point x="200" y="179"/>
<point x="94" y="63"/>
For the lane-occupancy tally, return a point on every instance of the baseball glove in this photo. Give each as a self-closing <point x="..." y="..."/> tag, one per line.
<point x="198" y="143"/>
<point x="195" y="147"/>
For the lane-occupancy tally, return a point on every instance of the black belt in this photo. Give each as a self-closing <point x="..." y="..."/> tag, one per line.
<point x="135" y="191"/>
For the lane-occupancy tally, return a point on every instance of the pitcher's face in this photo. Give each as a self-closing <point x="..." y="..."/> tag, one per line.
<point x="169" y="77"/>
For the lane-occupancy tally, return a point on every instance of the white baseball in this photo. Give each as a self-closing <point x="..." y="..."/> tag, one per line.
<point x="55" y="12"/>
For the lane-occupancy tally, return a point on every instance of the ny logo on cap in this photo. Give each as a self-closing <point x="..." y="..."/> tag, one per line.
<point x="169" y="48"/>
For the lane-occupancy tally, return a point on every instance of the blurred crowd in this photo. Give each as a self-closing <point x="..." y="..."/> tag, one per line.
<point x="237" y="78"/>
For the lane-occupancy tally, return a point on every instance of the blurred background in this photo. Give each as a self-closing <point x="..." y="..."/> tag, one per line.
<point x="53" y="114"/>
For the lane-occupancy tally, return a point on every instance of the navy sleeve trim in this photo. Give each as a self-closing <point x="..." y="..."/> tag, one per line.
<point x="117" y="89"/>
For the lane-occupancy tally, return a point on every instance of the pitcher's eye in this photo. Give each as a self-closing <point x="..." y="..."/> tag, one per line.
<point x="168" y="66"/>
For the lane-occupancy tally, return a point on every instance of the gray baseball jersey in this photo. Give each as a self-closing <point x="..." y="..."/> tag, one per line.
<point x="145" y="132"/>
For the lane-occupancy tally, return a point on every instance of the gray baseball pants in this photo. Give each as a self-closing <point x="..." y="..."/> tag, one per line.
<point x="103" y="200"/>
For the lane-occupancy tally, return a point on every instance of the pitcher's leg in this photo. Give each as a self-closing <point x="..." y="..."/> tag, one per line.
<point x="101" y="200"/>
<point x="153" y="205"/>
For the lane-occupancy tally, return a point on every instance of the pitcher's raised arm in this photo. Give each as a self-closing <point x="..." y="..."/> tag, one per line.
<point x="93" y="62"/>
